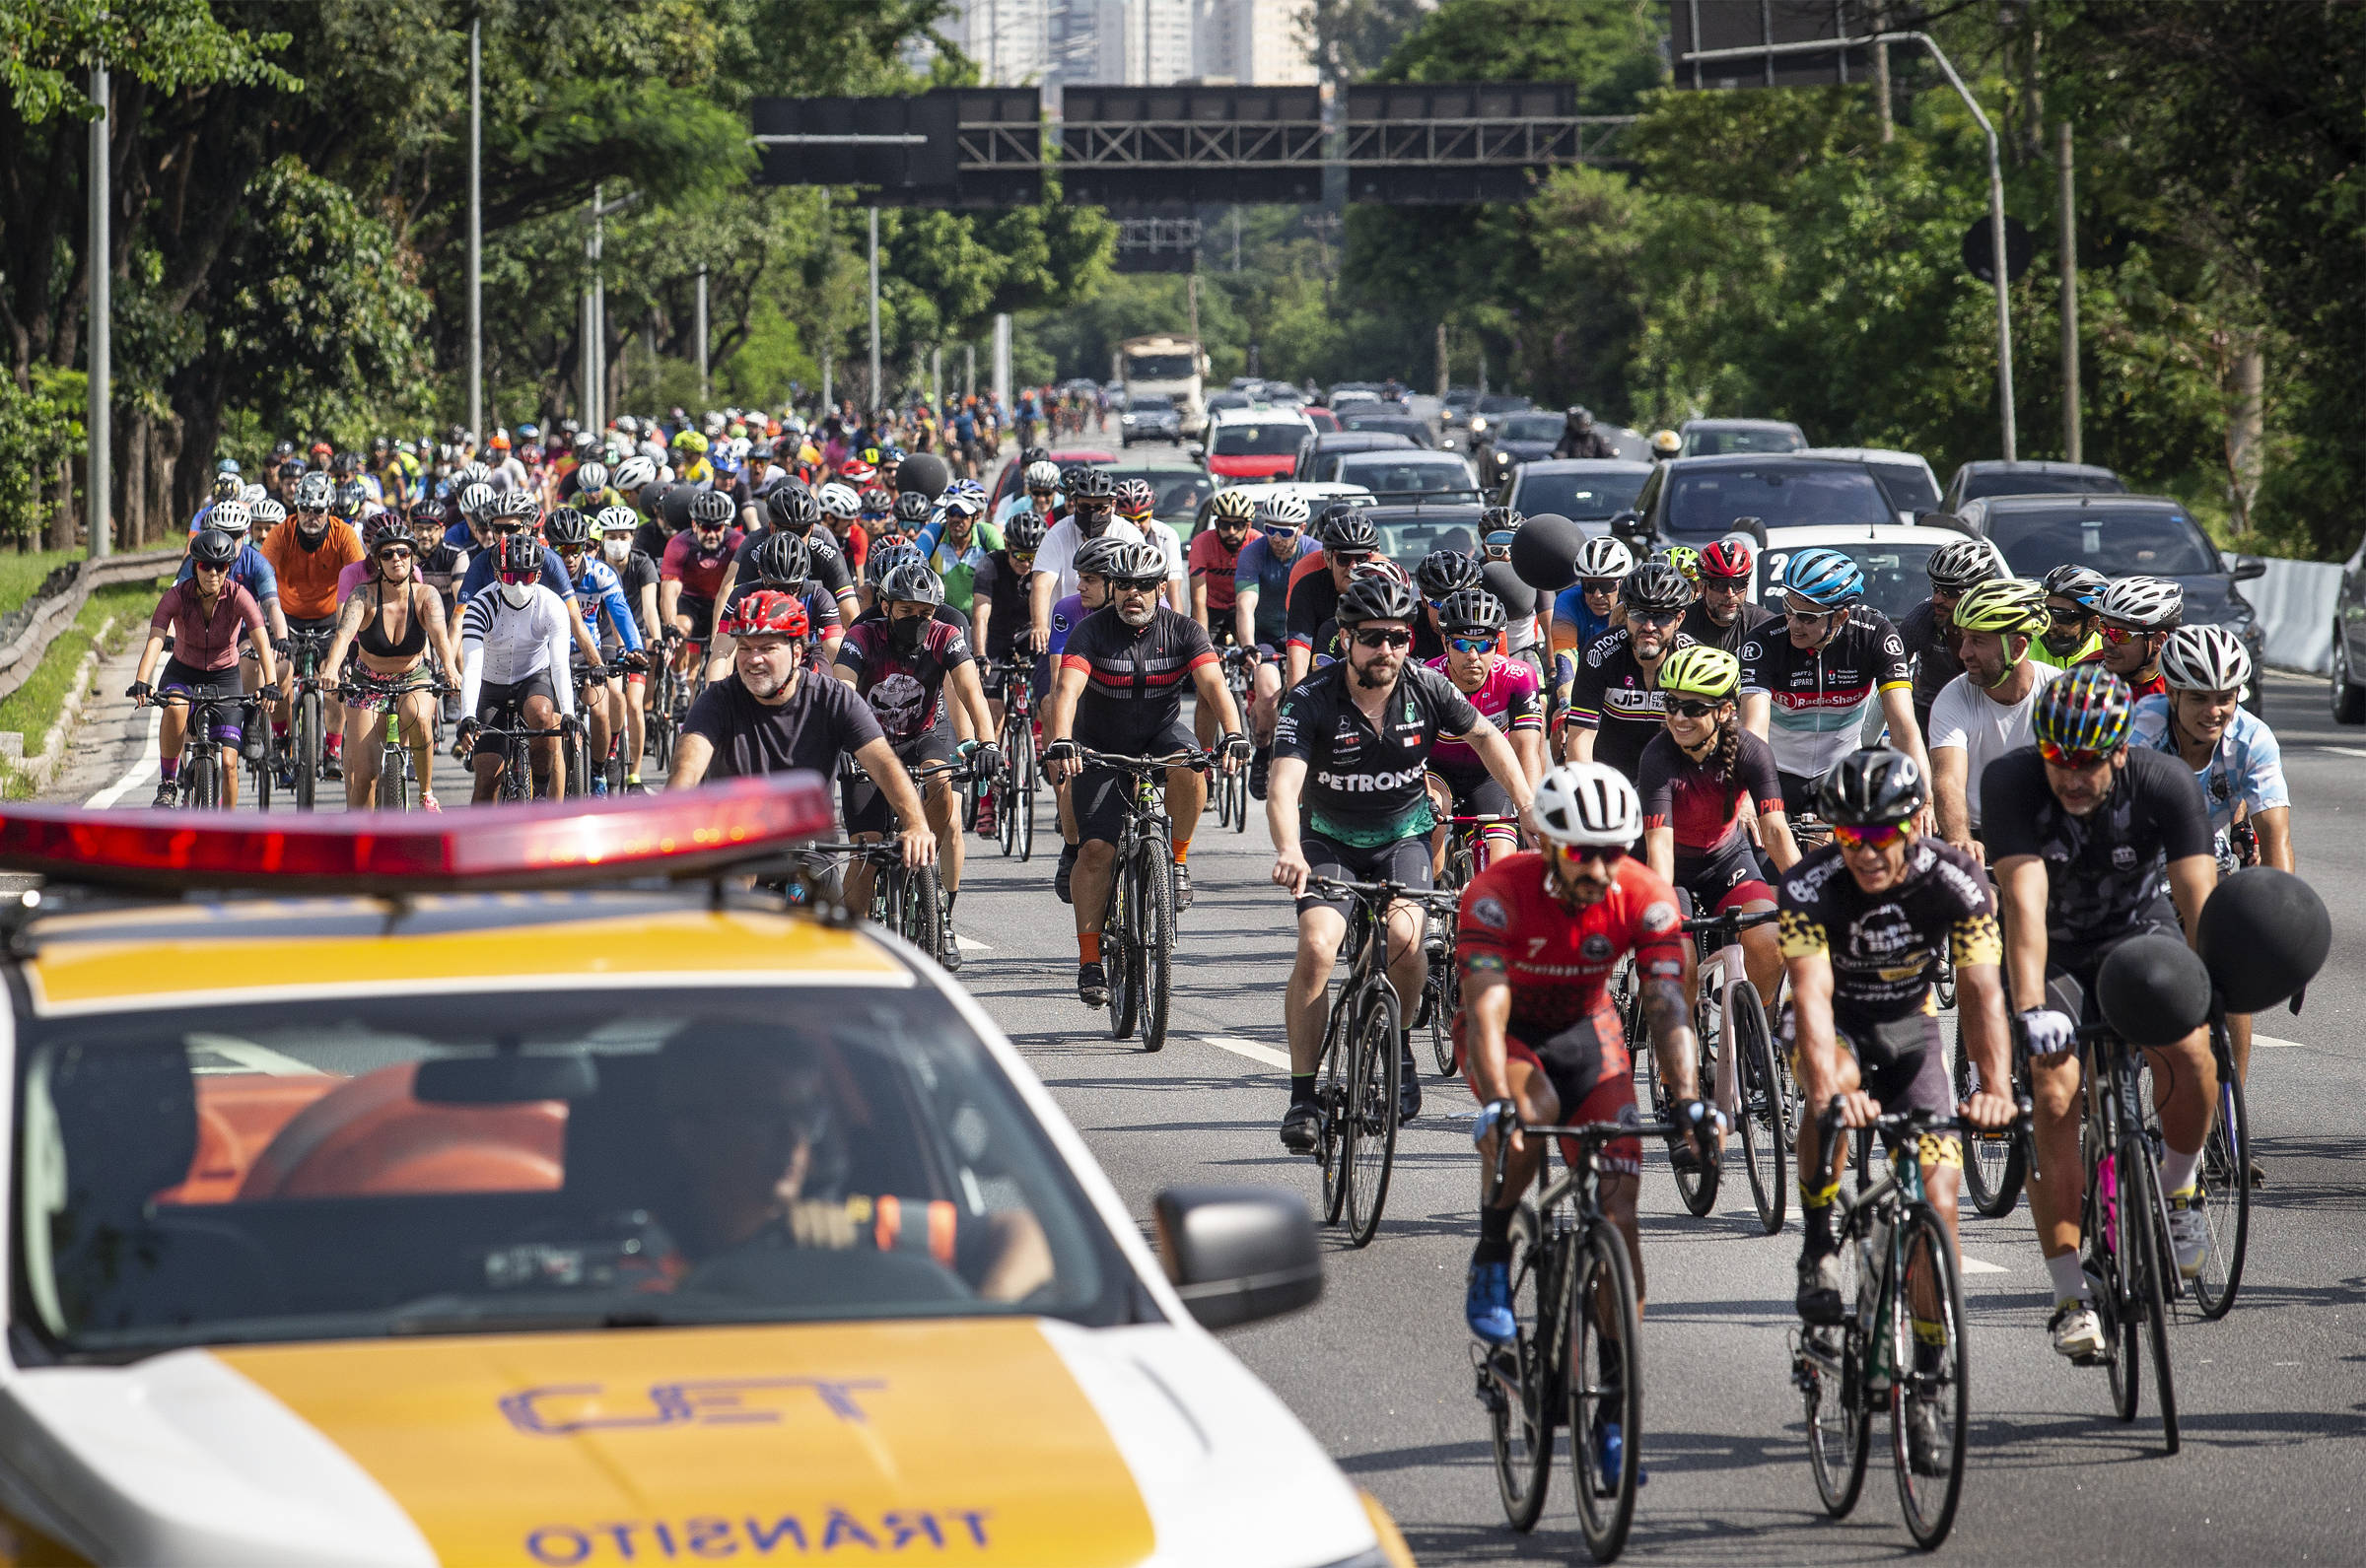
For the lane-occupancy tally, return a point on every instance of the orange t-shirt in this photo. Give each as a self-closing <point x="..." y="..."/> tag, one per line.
<point x="308" y="578"/>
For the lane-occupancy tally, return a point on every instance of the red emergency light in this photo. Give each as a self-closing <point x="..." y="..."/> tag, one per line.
<point x="553" y="843"/>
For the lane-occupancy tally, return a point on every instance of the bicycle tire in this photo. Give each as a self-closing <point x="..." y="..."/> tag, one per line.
<point x="1697" y="1188"/>
<point x="922" y="914"/>
<point x="1760" y="1106"/>
<point x="259" y="782"/>
<point x="1237" y="781"/>
<point x="1445" y="999"/>
<point x="1839" y="1428"/>
<point x="516" y="770"/>
<point x="1601" y="1269"/>
<point x="1929" y="1501"/>
<point x="615" y="768"/>
<point x="1117" y="960"/>
<point x="307" y="750"/>
<point x="1024" y="776"/>
<point x="1333" y="1146"/>
<point x="577" y="753"/>
<point x="1522" y="1420"/>
<point x="1374" y="1110"/>
<point x="2156" y="1257"/>
<point x="2226" y="1179"/>
<point x="200" y="781"/>
<point x="2107" y="1247"/>
<point x="389" y="794"/>
<point x="1995" y="1166"/>
<point x="1157" y="938"/>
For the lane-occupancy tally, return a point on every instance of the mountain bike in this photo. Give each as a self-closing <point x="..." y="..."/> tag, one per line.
<point x="906" y="900"/>
<point x="1739" y="1070"/>
<point x="1577" y="1359"/>
<point x="205" y="759"/>
<point x="1357" y="1075"/>
<point x="397" y="783"/>
<point x="2125" y="1223"/>
<point x="306" y="740"/>
<point x="1138" y="937"/>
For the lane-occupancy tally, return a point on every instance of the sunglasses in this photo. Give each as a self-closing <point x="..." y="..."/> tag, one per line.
<point x="1655" y="617"/>
<point x="1725" y="585"/>
<point x="1808" y="617"/>
<point x="1023" y="562"/>
<point x="513" y="578"/>
<point x="1692" y="708"/>
<point x="1581" y="854"/>
<point x="1611" y="587"/>
<point x="1352" y="559"/>
<point x="1471" y="644"/>
<point x="2064" y="757"/>
<point x="1379" y="638"/>
<point x="1880" y="838"/>
<point x="401" y="553"/>
<point x="1137" y="584"/>
<point x="2117" y="634"/>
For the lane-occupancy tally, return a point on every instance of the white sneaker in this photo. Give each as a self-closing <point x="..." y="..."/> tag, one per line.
<point x="2077" y="1332"/>
<point x="2189" y="1230"/>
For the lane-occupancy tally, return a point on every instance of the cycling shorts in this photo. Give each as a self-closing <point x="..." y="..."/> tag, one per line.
<point x="1472" y="790"/>
<point x="865" y="803"/>
<point x="1098" y="795"/>
<point x="373" y="693"/>
<point x="1404" y="861"/>
<point x="1798" y="793"/>
<point x="2070" y="968"/>
<point x="1723" y="880"/>
<point x="1903" y="1065"/>
<point x="493" y="697"/>
<point x="701" y="612"/>
<point x="1591" y="1076"/>
<point x="199" y="682"/>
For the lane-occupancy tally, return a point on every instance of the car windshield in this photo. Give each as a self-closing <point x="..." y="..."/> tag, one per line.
<point x="2038" y="482"/>
<point x="1157" y="366"/>
<point x="1403" y="472"/>
<point x="1259" y="441"/>
<point x="1505" y="405"/>
<point x="1411" y="429"/>
<point x="1895" y="578"/>
<point x="1907" y="485"/>
<point x="1150" y="403"/>
<point x="1706" y="501"/>
<point x="1716" y="441"/>
<point x="1177" y="492"/>
<point x="1588" y="498"/>
<point x="584" y="1159"/>
<point x="1407" y="542"/>
<point x="2118" y="541"/>
<point x="1533" y="426"/>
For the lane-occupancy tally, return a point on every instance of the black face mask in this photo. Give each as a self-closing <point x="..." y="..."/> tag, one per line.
<point x="906" y="631"/>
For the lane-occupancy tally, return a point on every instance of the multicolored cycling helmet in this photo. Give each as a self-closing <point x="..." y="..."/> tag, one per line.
<point x="1826" y="578"/>
<point x="1700" y="670"/>
<point x="1685" y="559"/>
<point x="1136" y="500"/>
<point x="2082" y="715"/>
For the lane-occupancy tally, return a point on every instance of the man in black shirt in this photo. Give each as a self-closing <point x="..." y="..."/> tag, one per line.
<point x="1615" y="706"/>
<point x="1348" y="541"/>
<point x="1723" y="616"/>
<point x="2093" y="842"/>
<point x="1929" y="630"/>
<point x="790" y="506"/>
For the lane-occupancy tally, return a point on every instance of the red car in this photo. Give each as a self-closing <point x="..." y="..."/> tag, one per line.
<point x="1256" y="444"/>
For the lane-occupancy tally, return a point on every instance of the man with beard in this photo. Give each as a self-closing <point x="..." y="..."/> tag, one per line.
<point x="1119" y="689"/>
<point x="1353" y="740"/>
<point x="309" y="552"/>
<point x="1615" y="707"/>
<point x="1723" y="616"/>
<point x="1985" y="712"/>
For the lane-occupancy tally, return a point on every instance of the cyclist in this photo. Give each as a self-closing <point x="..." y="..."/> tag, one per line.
<point x="1260" y="607"/>
<point x="1215" y="562"/>
<point x="692" y="574"/>
<point x="901" y="664"/>
<point x="1504" y="691"/>
<point x="249" y="571"/>
<point x="1723" y="616"/>
<point x="2070" y="638"/>
<point x="514" y="641"/>
<point x="439" y="563"/>
<point x="2235" y="759"/>
<point x="2094" y="843"/>
<point x="1806" y="687"/>
<point x="1092" y="514"/>
<point x="1136" y="504"/>
<point x="1316" y="585"/>
<point x="390" y="624"/>
<point x="2135" y="618"/>
<point x="1120" y="690"/>
<point x="1863" y="918"/>
<point x="1985" y="712"/>
<point x="1615" y="706"/>
<point x="307" y="554"/>
<point x="600" y="593"/>
<point x="1589" y="608"/>
<point x="955" y="542"/>
<point x="1038" y="489"/>
<point x="1354" y="742"/>
<point x="637" y="581"/>
<point x="205" y="617"/>
<point x="1537" y="937"/>
<point x="1523" y="638"/>
<point x="1440" y="575"/>
<point x="1695" y="777"/>
<point x="1929" y="630"/>
<point x="793" y="508"/>
<point x="842" y="512"/>
<point x="1092" y="596"/>
<point x="998" y="618"/>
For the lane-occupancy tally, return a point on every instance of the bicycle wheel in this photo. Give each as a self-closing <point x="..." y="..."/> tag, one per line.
<point x="1929" y="1483"/>
<point x="258" y="780"/>
<point x="1375" y="1079"/>
<point x="922" y="921"/>
<point x="1994" y="1165"/>
<point x="391" y="796"/>
<point x="1760" y="1106"/>
<point x="307" y="750"/>
<point x="1237" y="785"/>
<point x="1698" y="1187"/>
<point x="2226" y="1179"/>
<point x="201" y="780"/>
<point x="1829" y="1369"/>
<point x="1605" y="1371"/>
<point x="1445" y="999"/>
<point x="2142" y="1202"/>
<point x="1517" y="1383"/>
<point x="1117" y="953"/>
<point x="1156" y="875"/>
<point x="577" y="750"/>
<point x="1337" y="1142"/>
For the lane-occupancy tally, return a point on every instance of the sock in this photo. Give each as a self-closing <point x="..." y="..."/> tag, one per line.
<point x="1088" y="947"/>
<point x="1495" y="1237"/>
<point x="336" y="744"/>
<point x="2071" y="1282"/>
<point x="1815" y="1214"/>
<point x="2177" y="1170"/>
<point x="1301" y="1088"/>
<point x="633" y="776"/>
<point x="168" y="767"/>
<point x="1182" y="850"/>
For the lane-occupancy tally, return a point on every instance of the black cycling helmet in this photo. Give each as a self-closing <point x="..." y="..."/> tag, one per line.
<point x="214" y="548"/>
<point x="1331" y="518"/>
<point x="1093" y="556"/>
<point x="1444" y="572"/>
<point x="1656" y="585"/>
<point x="1876" y="787"/>
<point x="1033" y="455"/>
<point x="1378" y="599"/>
<point x="519" y="553"/>
<point x="912" y="582"/>
<point x="1468" y="610"/>
<point x="1136" y="561"/>
<point x="1346" y="530"/>
<point x="567" y="529"/>
<point x="782" y="557"/>
<point x="1497" y="520"/>
<point x="911" y="506"/>
<point x="1023" y="532"/>
<point x="712" y="508"/>
<point x="1093" y="484"/>
<point x="795" y="508"/>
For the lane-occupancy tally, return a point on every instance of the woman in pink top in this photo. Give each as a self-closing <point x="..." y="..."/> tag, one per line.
<point x="204" y="616"/>
<point x="1503" y="689"/>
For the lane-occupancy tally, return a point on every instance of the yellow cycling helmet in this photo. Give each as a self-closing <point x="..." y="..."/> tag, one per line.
<point x="1700" y="670"/>
<point x="690" y="440"/>
<point x="1666" y="442"/>
<point x="1685" y="559"/>
<point x="2011" y="604"/>
<point x="1233" y="504"/>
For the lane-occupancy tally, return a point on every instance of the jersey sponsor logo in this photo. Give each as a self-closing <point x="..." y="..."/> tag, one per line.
<point x="1370" y="783"/>
<point x="1489" y="910"/>
<point x="1659" y="917"/>
<point x="1893" y="646"/>
<point x="1596" y="947"/>
<point x="1829" y="697"/>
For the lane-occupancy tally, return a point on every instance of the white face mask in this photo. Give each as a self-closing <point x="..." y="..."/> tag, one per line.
<point x="517" y="595"/>
<point x="617" y="550"/>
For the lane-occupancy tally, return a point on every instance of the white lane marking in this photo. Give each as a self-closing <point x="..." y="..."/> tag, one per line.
<point x="2271" y="1043"/>
<point x="970" y="944"/>
<point x="1249" y="1049"/>
<point x="140" y="770"/>
<point x="245" y="1056"/>
<point x="1972" y="1265"/>
<point x="2346" y="751"/>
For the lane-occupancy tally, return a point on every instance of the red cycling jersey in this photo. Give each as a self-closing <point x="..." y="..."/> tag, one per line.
<point x="1556" y="960"/>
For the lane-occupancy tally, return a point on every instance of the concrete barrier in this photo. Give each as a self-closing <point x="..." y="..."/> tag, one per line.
<point x="2295" y="601"/>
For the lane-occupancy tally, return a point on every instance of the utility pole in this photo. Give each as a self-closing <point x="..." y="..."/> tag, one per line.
<point x="476" y="228"/>
<point x="1442" y="359"/>
<point x="879" y="400"/>
<point x="1001" y="359"/>
<point x="937" y="379"/>
<point x="2072" y="447"/>
<point x="99" y="477"/>
<point x="703" y="391"/>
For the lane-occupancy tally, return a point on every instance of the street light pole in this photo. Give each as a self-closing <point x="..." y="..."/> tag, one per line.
<point x="702" y="333"/>
<point x="476" y="228"/>
<point x="878" y="399"/>
<point x="100" y="478"/>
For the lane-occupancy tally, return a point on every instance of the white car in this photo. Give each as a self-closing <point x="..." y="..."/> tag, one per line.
<point x="1893" y="556"/>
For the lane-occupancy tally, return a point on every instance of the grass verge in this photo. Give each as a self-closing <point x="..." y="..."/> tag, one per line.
<point x="19" y="575"/>
<point x="34" y="706"/>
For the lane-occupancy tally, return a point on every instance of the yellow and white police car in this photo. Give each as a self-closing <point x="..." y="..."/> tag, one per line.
<point x="478" y="1189"/>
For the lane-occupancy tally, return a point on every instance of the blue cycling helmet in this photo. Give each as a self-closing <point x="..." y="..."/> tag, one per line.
<point x="1825" y="578"/>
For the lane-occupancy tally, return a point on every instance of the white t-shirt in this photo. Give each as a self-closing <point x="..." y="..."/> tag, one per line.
<point x="1058" y="553"/>
<point x="1964" y="716"/>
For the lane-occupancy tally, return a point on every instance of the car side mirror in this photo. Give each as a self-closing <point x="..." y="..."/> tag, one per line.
<point x="2249" y="567"/>
<point x="1239" y="1255"/>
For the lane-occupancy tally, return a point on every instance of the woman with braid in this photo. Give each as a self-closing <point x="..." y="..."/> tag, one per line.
<point x="1695" y="777"/>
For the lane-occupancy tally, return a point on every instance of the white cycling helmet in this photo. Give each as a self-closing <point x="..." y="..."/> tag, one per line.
<point x="2148" y="603"/>
<point x="1588" y="803"/>
<point x="2205" y="659"/>
<point x="231" y="516"/>
<point x="1043" y="475"/>
<point x="1289" y="511"/>
<point x="633" y="474"/>
<point x="1604" y="557"/>
<point x="839" y="500"/>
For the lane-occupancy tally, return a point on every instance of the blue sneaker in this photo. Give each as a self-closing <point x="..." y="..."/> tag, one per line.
<point x="1488" y="1306"/>
<point x="1610" y="1451"/>
<point x="599" y="785"/>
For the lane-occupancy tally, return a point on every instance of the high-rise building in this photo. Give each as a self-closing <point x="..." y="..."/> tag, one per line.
<point x="1254" y="43"/>
<point x="1009" y="40"/>
<point x="1134" y="43"/>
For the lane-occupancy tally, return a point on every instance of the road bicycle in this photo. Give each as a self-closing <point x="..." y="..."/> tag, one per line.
<point x="2226" y="1179"/>
<point x="1577" y="1360"/>
<point x="1358" y="1076"/>
<point x="1015" y="783"/>
<point x="1901" y="1340"/>
<point x="1468" y="851"/>
<point x="205" y="759"/>
<point x="513" y="742"/>
<point x="1740" y="1069"/>
<point x="578" y="751"/>
<point x="2125" y="1223"/>
<point x="308" y="731"/>
<point x="1995" y="1165"/>
<point x="1231" y="789"/>
<point x="906" y="900"/>
<point x="1138" y="936"/>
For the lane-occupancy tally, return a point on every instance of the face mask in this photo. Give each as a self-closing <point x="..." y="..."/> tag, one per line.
<point x="517" y="595"/>
<point x="618" y="550"/>
<point x="906" y="633"/>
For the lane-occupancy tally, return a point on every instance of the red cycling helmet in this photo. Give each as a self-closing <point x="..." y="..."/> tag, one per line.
<point x="1727" y="558"/>
<point x="519" y="559"/>
<point x="766" y="613"/>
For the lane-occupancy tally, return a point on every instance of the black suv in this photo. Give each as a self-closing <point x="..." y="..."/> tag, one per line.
<point x="1695" y="500"/>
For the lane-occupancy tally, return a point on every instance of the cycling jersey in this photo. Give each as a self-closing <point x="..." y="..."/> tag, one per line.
<point x="1058" y="552"/>
<point x="638" y="572"/>
<point x="1364" y="783"/>
<point x="203" y="642"/>
<point x="1218" y="568"/>
<point x="1006" y="591"/>
<point x="957" y="565"/>
<point x="2104" y="872"/>
<point x="506" y="646"/>
<point x="1882" y="945"/>
<point x="1067" y="615"/>
<point x="308" y="572"/>
<point x="1931" y="643"/>
<point x="1509" y="698"/>
<point x="600" y="593"/>
<point x="1313" y="595"/>
<point x="441" y="567"/>
<point x="1614" y="697"/>
<point x="1135" y="680"/>
<point x="1258" y="567"/>
<point x="1967" y="718"/>
<point x="482" y="573"/>
<point x="905" y="689"/>
<point x="828" y="566"/>
<point x="1558" y="961"/>
<point x="1576" y="627"/>
<point x="822" y="722"/>
<point x="2246" y="769"/>
<point x="1817" y="697"/>
<point x="1694" y="800"/>
<point x="1698" y="626"/>
<point x="696" y="566"/>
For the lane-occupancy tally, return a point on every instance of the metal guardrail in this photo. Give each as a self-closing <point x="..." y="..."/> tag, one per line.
<point x="21" y="654"/>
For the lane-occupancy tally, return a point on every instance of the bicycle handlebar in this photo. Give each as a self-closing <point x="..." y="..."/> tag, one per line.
<point x="1390" y="890"/>
<point x="1733" y="919"/>
<point x="1104" y="759"/>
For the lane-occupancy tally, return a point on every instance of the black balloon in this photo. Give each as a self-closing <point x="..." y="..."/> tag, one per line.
<point x="1545" y="552"/>
<point x="2153" y="989"/>
<point x="2265" y="935"/>
<point x="674" y="505"/>
<point x="925" y="472"/>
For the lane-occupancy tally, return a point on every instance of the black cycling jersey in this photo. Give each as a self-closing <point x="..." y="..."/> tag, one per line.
<point x="1134" y="681"/>
<point x="1932" y="642"/>
<point x="1817" y="696"/>
<point x="652" y="537"/>
<point x="1882" y="946"/>
<point x="830" y="567"/>
<point x="638" y="572"/>
<point x="1312" y="599"/>
<point x="1748" y="618"/>
<point x="1330" y="642"/>
<point x="1006" y="588"/>
<point x="1614" y="697"/>
<point x="2106" y="871"/>
<point x="1364" y="785"/>
<point x="904" y="686"/>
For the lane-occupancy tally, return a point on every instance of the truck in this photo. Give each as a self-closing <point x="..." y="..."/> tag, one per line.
<point x="1173" y="366"/>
